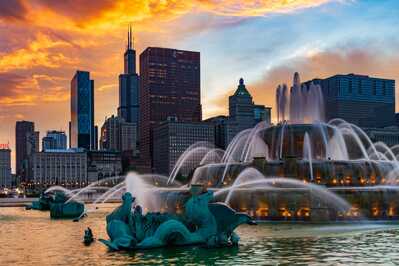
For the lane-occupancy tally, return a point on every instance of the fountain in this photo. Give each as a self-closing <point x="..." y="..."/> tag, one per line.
<point x="301" y="169"/>
<point x="202" y="223"/>
<point x="303" y="148"/>
<point x="60" y="206"/>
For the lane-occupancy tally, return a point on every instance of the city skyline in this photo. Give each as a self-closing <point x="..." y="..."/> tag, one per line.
<point x="35" y="71"/>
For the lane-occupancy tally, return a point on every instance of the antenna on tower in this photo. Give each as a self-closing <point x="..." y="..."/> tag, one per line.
<point x="131" y="36"/>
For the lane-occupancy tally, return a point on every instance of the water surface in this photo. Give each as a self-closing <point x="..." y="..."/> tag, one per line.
<point x="31" y="238"/>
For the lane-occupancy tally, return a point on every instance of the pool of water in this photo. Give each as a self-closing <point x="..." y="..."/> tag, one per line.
<point x="31" y="238"/>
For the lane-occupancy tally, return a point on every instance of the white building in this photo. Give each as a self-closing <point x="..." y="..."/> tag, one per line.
<point x="60" y="167"/>
<point x="5" y="168"/>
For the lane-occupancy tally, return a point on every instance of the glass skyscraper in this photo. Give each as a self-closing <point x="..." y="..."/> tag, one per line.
<point x="129" y="86"/>
<point x="82" y="131"/>
<point x="362" y="100"/>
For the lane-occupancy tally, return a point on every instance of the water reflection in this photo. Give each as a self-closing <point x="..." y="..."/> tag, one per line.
<point x="31" y="238"/>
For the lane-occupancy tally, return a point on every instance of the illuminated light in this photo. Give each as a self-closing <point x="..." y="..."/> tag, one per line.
<point x="262" y="212"/>
<point x="391" y="211"/>
<point x="374" y="211"/>
<point x="334" y="181"/>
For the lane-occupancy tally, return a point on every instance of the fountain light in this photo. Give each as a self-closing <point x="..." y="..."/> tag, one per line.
<point x="375" y="211"/>
<point x="262" y="212"/>
<point x="286" y="213"/>
<point x="391" y="211"/>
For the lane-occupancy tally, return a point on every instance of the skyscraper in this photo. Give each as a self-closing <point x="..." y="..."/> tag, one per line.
<point x="243" y="114"/>
<point x="5" y="167"/>
<point x="241" y="107"/>
<point x="54" y="140"/>
<point x="118" y="135"/>
<point x="129" y="86"/>
<point x="374" y="99"/>
<point x="82" y="131"/>
<point x="169" y="87"/>
<point x="22" y="128"/>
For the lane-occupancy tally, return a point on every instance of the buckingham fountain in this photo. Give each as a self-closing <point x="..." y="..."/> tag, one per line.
<point x="301" y="169"/>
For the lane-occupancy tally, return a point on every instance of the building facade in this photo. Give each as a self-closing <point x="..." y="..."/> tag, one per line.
<point x="60" y="167"/>
<point x="82" y="130"/>
<point x="170" y="86"/>
<point x="118" y="135"/>
<point x="103" y="164"/>
<point x="22" y="128"/>
<point x="243" y="114"/>
<point x="171" y="140"/>
<point x="129" y="87"/>
<point x="74" y="167"/>
<point x="54" y="140"/>
<point x="5" y="168"/>
<point x="262" y="113"/>
<point x="241" y="107"/>
<point x="388" y="135"/>
<point x="374" y="99"/>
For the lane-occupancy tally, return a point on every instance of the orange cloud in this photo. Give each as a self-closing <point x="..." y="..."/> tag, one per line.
<point x="82" y="15"/>
<point x="36" y="54"/>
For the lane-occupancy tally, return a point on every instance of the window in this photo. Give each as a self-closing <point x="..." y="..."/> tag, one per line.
<point x="359" y="89"/>
<point x="350" y="86"/>
<point x="383" y="88"/>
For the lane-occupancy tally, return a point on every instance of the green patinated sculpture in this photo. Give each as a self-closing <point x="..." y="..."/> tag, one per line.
<point x="42" y="204"/>
<point x="58" y="206"/>
<point x="203" y="223"/>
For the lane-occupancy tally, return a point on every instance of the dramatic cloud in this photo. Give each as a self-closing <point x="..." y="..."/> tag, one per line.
<point x="12" y="10"/>
<point x="37" y="53"/>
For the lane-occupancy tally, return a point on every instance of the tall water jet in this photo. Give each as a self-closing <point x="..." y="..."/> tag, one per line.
<point x="303" y="104"/>
<point x="307" y="153"/>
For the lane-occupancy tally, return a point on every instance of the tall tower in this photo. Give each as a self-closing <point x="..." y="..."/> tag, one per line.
<point x="129" y="85"/>
<point x="82" y="131"/>
<point x="23" y="129"/>
<point x="170" y="86"/>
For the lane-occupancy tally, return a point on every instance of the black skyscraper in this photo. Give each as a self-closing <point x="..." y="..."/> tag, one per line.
<point x="129" y="86"/>
<point x="22" y="130"/>
<point x="82" y="131"/>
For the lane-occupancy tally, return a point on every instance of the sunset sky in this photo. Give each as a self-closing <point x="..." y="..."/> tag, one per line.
<point x="43" y="42"/>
